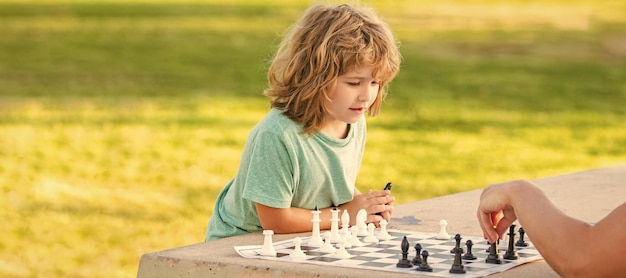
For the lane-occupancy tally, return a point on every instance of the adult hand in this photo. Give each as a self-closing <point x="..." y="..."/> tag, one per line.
<point x="495" y="212"/>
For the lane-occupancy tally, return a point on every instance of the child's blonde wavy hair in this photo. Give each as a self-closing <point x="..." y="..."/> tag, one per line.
<point x="326" y="42"/>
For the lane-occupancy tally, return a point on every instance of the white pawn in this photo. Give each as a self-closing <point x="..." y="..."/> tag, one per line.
<point x="297" y="252"/>
<point x="354" y="239"/>
<point x="327" y="247"/>
<point x="370" y="234"/>
<point x="382" y="234"/>
<point x="268" y="246"/>
<point x="344" y="238"/>
<point x="361" y="218"/>
<point x="442" y="231"/>
<point x="342" y="253"/>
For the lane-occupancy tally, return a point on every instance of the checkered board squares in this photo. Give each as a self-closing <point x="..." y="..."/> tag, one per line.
<point x="384" y="255"/>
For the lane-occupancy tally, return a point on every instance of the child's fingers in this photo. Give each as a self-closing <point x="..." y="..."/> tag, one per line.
<point x="379" y="193"/>
<point x="381" y="208"/>
<point x="382" y="212"/>
<point x="387" y="214"/>
<point x="387" y="200"/>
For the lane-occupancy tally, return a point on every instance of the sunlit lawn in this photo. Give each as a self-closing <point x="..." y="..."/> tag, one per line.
<point x="120" y="122"/>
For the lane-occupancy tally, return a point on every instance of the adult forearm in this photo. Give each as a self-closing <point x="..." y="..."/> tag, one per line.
<point x="556" y="235"/>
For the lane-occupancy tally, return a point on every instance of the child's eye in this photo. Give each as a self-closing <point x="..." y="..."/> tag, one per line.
<point x="354" y="83"/>
<point x="375" y="83"/>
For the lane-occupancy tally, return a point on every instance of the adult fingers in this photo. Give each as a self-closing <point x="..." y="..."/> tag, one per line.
<point x="508" y="217"/>
<point x="485" y="219"/>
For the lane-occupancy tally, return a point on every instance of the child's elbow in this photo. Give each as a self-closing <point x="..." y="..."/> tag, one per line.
<point x="278" y="229"/>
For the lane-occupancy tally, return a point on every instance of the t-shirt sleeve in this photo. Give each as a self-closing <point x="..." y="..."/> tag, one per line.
<point x="269" y="180"/>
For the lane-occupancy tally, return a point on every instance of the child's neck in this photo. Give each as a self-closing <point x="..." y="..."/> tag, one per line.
<point x="339" y="131"/>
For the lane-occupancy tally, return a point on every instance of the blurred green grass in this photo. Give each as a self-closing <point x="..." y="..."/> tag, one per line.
<point x="120" y="121"/>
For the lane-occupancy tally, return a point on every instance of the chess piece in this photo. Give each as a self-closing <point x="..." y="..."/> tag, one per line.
<point x="328" y="247"/>
<point x="268" y="246"/>
<point x="354" y="238"/>
<point x="316" y="239"/>
<point x="457" y="265"/>
<point x="424" y="265"/>
<point x="443" y="235"/>
<point x="457" y="238"/>
<point x="361" y="218"/>
<point x="370" y="234"/>
<point x="489" y="247"/>
<point x="297" y="252"/>
<point x="383" y="234"/>
<point x="511" y="253"/>
<point x="334" y="225"/>
<point x="404" y="261"/>
<point x="520" y="242"/>
<point x="417" y="260"/>
<point x="345" y="220"/>
<point x="342" y="253"/>
<point x="387" y="187"/>
<point x="344" y="238"/>
<point x="345" y="232"/>
<point x="494" y="254"/>
<point x="469" y="255"/>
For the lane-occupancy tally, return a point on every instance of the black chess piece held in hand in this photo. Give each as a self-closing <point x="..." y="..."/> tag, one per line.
<point x="494" y="254"/>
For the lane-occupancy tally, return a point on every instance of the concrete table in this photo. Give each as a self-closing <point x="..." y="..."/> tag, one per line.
<point x="588" y="195"/>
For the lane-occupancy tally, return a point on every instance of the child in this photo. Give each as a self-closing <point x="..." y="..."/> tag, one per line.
<point x="330" y="70"/>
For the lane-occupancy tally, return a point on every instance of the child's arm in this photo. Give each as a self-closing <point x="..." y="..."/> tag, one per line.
<point x="296" y="220"/>
<point x="290" y="220"/>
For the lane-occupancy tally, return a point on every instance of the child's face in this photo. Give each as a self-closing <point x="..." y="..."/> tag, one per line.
<point x="353" y="95"/>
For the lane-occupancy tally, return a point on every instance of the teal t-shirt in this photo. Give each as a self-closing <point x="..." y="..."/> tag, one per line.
<point x="281" y="167"/>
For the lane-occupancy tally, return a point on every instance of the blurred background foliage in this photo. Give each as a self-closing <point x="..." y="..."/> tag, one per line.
<point x="120" y="121"/>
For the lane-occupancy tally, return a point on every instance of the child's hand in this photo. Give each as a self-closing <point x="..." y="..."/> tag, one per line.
<point x="373" y="202"/>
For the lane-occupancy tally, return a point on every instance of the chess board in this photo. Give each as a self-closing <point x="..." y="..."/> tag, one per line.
<point x="384" y="255"/>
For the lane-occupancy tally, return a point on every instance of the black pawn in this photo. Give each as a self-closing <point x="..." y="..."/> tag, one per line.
<point x="457" y="265"/>
<point x="417" y="260"/>
<point x="404" y="261"/>
<point x="469" y="255"/>
<point x="424" y="265"/>
<point x="457" y="238"/>
<point x="511" y="253"/>
<point x="520" y="242"/>
<point x="489" y="247"/>
<point x="494" y="254"/>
